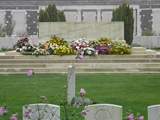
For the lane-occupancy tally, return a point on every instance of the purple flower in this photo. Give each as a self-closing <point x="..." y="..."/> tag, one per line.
<point x="3" y="111"/>
<point x="130" y="116"/>
<point x="27" y="113"/>
<point x="14" y="117"/>
<point x="29" y="72"/>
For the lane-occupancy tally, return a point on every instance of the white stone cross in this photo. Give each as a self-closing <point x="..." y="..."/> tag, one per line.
<point x="71" y="83"/>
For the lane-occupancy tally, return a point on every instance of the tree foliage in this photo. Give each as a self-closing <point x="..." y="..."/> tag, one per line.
<point x="51" y="14"/>
<point x="125" y="13"/>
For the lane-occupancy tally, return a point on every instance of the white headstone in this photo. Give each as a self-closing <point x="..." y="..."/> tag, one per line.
<point x="154" y="112"/>
<point x="41" y="112"/>
<point x="71" y="83"/>
<point x="103" y="112"/>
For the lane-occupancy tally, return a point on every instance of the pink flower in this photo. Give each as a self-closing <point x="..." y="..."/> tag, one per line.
<point x="82" y="92"/>
<point x="3" y="111"/>
<point x="141" y="118"/>
<point x="14" y="117"/>
<point x="29" y="72"/>
<point x="130" y="116"/>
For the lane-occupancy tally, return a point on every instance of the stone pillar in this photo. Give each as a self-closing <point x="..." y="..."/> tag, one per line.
<point x="139" y="30"/>
<point x="99" y="17"/>
<point x="71" y="83"/>
<point x="79" y="15"/>
<point x="32" y="22"/>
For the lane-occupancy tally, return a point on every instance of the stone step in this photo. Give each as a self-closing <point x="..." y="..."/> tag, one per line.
<point x="17" y="65"/>
<point x="111" y="60"/>
<point x="106" y="70"/>
<point x="103" y="65"/>
<point x="79" y="65"/>
<point x="86" y="57"/>
<point x="138" y="49"/>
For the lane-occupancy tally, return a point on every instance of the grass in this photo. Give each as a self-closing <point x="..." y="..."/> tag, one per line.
<point x="133" y="91"/>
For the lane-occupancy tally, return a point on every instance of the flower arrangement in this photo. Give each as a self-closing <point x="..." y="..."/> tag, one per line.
<point x="23" y="46"/>
<point x="82" y="45"/>
<point x="58" y="46"/>
<point x="120" y="47"/>
<point x="79" y="44"/>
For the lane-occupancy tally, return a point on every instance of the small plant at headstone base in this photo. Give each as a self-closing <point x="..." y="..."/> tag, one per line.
<point x="14" y="117"/>
<point x="125" y="14"/>
<point x="132" y="116"/>
<point x="68" y="111"/>
<point x="81" y="100"/>
<point x="3" y="110"/>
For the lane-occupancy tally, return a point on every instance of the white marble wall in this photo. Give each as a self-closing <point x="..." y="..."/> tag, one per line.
<point x="19" y="16"/>
<point x="2" y="15"/>
<point x="147" y="41"/>
<point x="90" y="31"/>
<point x="71" y="15"/>
<point x="89" y="16"/>
<point x="100" y="13"/>
<point x="106" y="16"/>
<point x="156" y="21"/>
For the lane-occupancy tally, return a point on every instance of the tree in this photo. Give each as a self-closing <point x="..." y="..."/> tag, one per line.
<point x="51" y="14"/>
<point x="125" y="13"/>
<point x="43" y="16"/>
<point x="61" y="16"/>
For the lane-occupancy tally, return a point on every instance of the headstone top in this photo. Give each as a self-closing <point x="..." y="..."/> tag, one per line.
<point x="41" y="112"/>
<point x="153" y="106"/>
<point x="103" y="112"/>
<point x="154" y="112"/>
<point x="112" y="105"/>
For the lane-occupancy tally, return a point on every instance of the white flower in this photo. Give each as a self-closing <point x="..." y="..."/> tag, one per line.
<point x="24" y="48"/>
<point x="82" y="91"/>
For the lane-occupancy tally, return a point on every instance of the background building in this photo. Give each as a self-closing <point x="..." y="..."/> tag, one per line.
<point x="25" y="13"/>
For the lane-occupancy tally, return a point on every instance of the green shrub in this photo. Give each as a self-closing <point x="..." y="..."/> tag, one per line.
<point x="51" y="14"/>
<point x="125" y="14"/>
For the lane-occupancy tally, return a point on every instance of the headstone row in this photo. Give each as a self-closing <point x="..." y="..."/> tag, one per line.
<point x="92" y="112"/>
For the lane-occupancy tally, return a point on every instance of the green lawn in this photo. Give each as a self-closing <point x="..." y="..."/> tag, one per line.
<point x="133" y="91"/>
